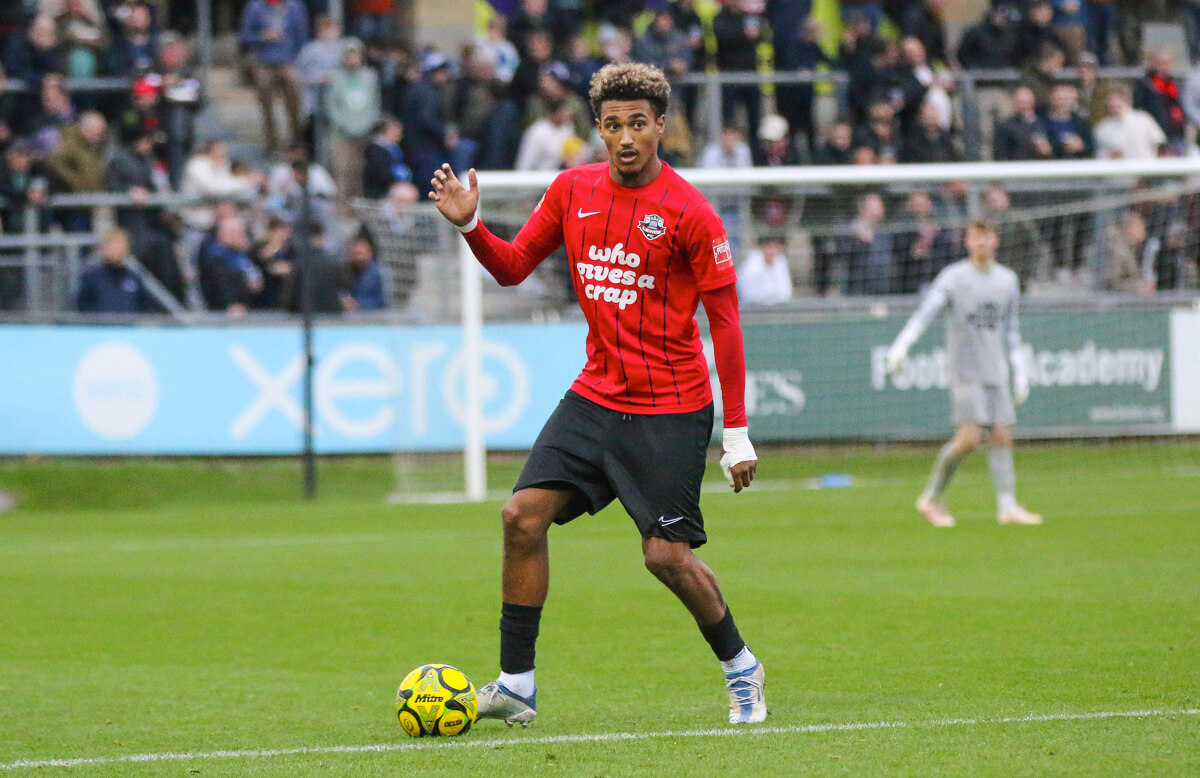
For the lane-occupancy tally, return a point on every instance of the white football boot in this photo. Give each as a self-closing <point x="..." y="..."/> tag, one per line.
<point x="747" y="695"/>
<point x="497" y="702"/>
<point x="1018" y="515"/>
<point x="935" y="512"/>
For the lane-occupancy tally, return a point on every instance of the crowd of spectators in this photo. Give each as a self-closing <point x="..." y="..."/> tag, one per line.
<point x="373" y="116"/>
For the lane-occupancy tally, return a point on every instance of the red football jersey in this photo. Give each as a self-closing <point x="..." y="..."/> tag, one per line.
<point x="640" y="258"/>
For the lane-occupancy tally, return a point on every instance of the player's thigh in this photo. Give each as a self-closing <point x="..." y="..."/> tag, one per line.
<point x="531" y="511"/>
<point x="568" y="457"/>
<point x="1001" y="406"/>
<point x="657" y="467"/>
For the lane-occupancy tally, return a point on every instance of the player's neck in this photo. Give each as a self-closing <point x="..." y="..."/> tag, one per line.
<point x="640" y="178"/>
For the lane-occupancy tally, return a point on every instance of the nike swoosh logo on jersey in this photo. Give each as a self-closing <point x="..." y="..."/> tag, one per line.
<point x="663" y="520"/>
<point x="582" y="215"/>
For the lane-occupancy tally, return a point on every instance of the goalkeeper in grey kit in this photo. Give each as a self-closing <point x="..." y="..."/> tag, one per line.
<point x="987" y="377"/>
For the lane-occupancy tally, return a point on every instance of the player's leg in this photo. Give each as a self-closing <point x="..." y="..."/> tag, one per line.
<point x="1004" y="479"/>
<point x="965" y="440"/>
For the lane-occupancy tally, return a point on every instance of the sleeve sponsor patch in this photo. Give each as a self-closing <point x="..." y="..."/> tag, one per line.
<point x="721" y="251"/>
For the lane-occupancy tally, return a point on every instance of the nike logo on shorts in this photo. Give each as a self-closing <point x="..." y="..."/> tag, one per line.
<point x="664" y="521"/>
<point x="583" y="215"/>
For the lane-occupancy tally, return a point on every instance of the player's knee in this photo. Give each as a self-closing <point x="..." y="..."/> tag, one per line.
<point x="968" y="439"/>
<point x="522" y="524"/>
<point x="1001" y="437"/>
<point x="664" y="560"/>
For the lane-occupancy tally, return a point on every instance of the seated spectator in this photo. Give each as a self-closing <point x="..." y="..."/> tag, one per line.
<point x="1069" y="131"/>
<point x="275" y="256"/>
<point x="867" y="250"/>
<point x="315" y="273"/>
<point x="1126" y="241"/>
<point x="362" y="282"/>
<point x="144" y="114"/>
<point x="353" y="109"/>
<point x="131" y="171"/>
<point x="1021" y="136"/>
<point x="837" y="147"/>
<point x="1127" y="133"/>
<point x="730" y="151"/>
<point x="1035" y="32"/>
<point x="109" y="286"/>
<point x="925" y="21"/>
<point x="881" y="132"/>
<point x="383" y="164"/>
<point x="135" y="49"/>
<point x="21" y="185"/>
<point x="1093" y="92"/>
<point x="877" y="78"/>
<point x="926" y="141"/>
<point x="992" y="43"/>
<point x="1158" y="94"/>
<point x="542" y="144"/>
<point x="923" y="249"/>
<point x="229" y="279"/>
<point x="763" y="278"/>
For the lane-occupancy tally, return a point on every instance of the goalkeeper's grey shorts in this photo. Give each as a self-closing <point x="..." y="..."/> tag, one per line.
<point x="987" y="406"/>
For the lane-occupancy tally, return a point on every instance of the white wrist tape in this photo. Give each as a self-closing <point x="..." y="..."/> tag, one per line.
<point x="469" y="226"/>
<point x="738" y="448"/>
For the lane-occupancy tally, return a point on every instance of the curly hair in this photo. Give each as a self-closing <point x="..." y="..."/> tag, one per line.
<point x="630" y="81"/>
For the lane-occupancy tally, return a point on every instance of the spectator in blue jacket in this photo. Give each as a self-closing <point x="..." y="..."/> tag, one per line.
<point x="275" y="31"/>
<point x="427" y="137"/>
<point x="109" y="286"/>
<point x="383" y="163"/>
<point x="362" y="283"/>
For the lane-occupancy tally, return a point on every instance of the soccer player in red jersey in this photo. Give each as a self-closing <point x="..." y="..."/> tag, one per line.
<point x="645" y="249"/>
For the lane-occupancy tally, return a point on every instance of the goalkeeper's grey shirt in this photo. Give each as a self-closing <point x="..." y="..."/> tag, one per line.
<point x="981" y="321"/>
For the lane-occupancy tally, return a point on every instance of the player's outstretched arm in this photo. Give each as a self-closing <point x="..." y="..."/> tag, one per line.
<point x="458" y="203"/>
<point x="930" y="307"/>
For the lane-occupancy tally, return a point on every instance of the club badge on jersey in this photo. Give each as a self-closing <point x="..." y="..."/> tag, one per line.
<point x="721" y="251"/>
<point x="652" y="226"/>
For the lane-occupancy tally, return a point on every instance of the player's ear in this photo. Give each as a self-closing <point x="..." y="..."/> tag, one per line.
<point x="660" y="124"/>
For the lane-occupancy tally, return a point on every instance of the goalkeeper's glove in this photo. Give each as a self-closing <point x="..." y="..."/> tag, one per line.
<point x="894" y="359"/>
<point x="1020" y="380"/>
<point x="738" y="448"/>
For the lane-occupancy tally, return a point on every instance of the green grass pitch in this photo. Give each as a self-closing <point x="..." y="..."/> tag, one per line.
<point x="167" y="608"/>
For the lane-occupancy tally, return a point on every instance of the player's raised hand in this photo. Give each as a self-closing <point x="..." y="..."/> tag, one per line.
<point x="457" y="203"/>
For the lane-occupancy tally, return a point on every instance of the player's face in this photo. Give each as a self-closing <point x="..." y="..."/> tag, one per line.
<point x="981" y="244"/>
<point x="631" y="133"/>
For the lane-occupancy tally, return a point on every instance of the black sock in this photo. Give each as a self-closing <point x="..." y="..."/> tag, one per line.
<point x="724" y="637"/>
<point x="518" y="634"/>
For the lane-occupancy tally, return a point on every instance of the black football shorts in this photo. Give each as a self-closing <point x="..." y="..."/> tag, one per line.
<point x="653" y="464"/>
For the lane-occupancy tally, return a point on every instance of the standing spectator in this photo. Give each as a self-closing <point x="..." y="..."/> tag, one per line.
<point x="738" y="33"/>
<point x="501" y="50"/>
<point x="923" y="249"/>
<point x="427" y="137"/>
<point x="525" y="79"/>
<point x="84" y="36"/>
<point x="925" y="22"/>
<point x="926" y="141"/>
<point x="487" y="119"/>
<point x="553" y="89"/>
<point x="21" y="185"/>
<point x="763" y="278"/>
<point x="1069" y="19"/>
<point x="1100" y="18"/>
<point x="837" y="147"/>
<point x="275" y="31"/>
<point x="867" y="250"/>
<point x="1069" y="131"/>
<point x="362" y="282"/>
<point x="731" y="151"/>
<point x="786" y="19"/>
<point x="1035" y="32"/>
<point x="542" y="144"/>
<point x="109" y="286"/>
<point x="275" y="257"/>
<point x="316" y="63"/>
<point x="1131" y="16"/>
<point x="1191" y="94"/>
<point x="874" y="78"/>
<point x="871" y="12"/>
<point x="858" y="43"/>
<point x="664" y="46"/>
<point x="1158" y="94"/>
<point x="534" y="17"/>
<point x="53" y="116"/>
<point x="135" y="49"/>
<point x="144" y="115"/>
<point x="383" y="163"/>
<point x="77" y="166"/>
<point x="1126" y="242"/>
<point x="1042" y="76"/>
<point x="1020" y="242"/>
<point x="353" y="111"/>
<point x="796" y="101"/>
<point x="581" y="64"/>
<point x="1191" y="27"/>
<point x="1022" y="135"/>
<point x="372" y="19"/>
<point x="991" y="43"/>
<point x="229" y="279"/>
<point x="916" y="84"/>
<point x="32" y="55"/>
<point x="181" y="99"/>
<point x="1127" y="133"/>
<point x="1093" y="93"/>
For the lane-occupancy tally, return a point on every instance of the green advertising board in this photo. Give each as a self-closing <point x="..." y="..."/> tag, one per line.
<point x="1091" y="373"/>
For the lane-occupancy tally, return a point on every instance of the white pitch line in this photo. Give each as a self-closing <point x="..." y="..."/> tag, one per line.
<point x="603" y="737"/>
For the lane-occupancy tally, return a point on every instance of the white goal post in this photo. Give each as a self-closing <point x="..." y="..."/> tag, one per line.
<point x="496" y="186"/>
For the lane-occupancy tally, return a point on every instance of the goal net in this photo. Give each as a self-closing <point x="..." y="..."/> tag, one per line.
<point x="831" y="261"/>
